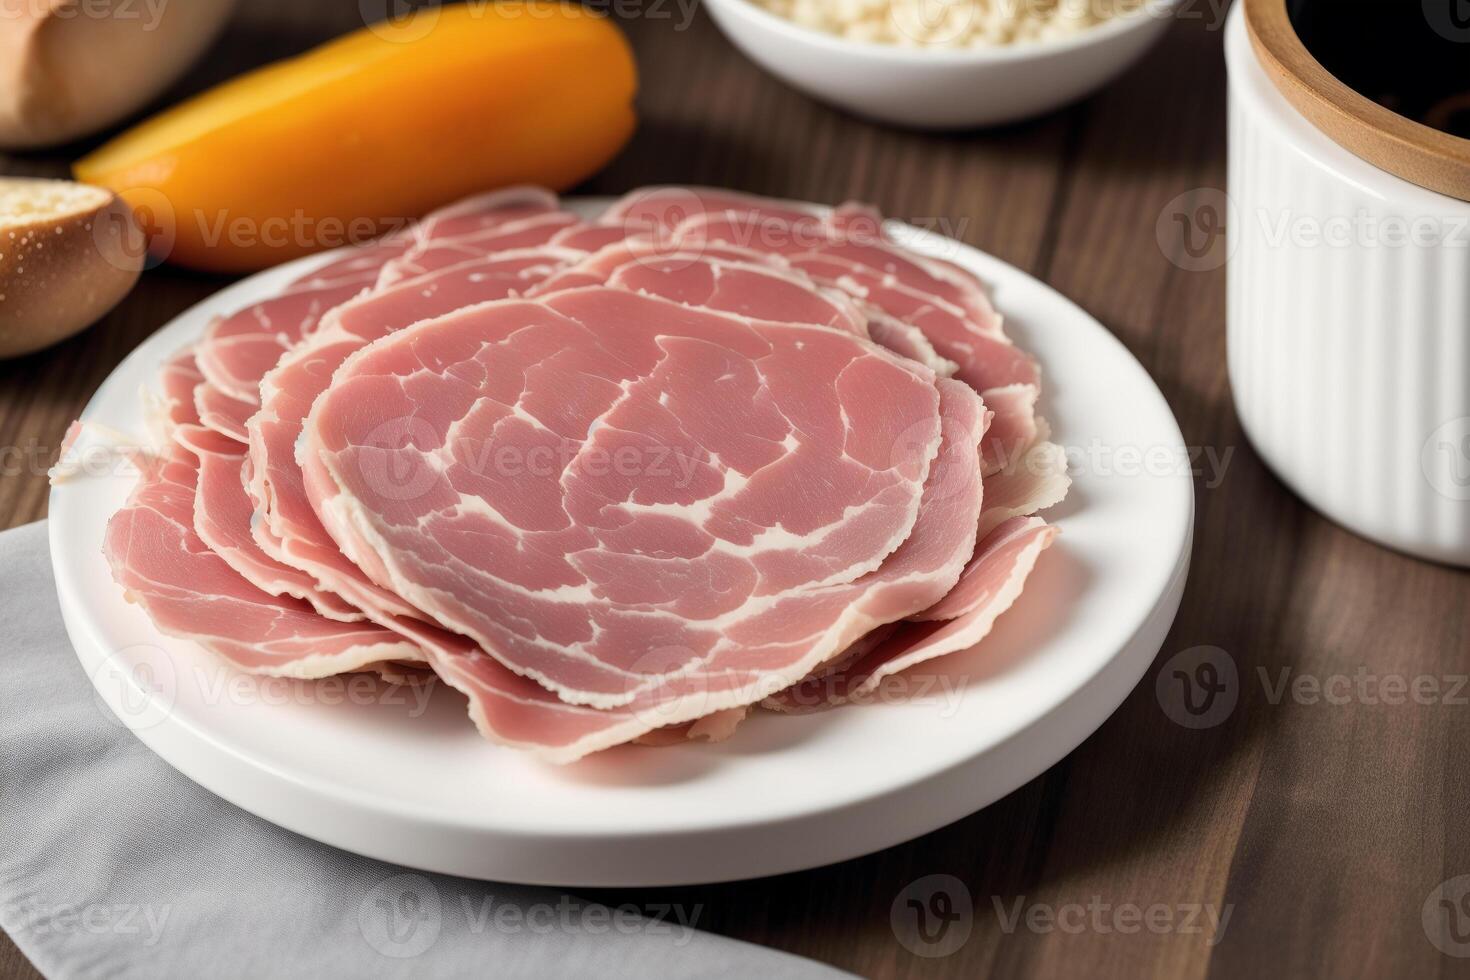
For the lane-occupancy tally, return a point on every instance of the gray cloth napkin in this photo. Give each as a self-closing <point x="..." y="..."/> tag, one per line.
<point x="112" y="864"/>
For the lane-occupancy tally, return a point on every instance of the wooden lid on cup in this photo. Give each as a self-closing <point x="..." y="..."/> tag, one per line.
<point x="1416" y="152"/>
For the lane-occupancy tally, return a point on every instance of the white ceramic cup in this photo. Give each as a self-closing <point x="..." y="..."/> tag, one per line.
<point x="1348" y="322"/>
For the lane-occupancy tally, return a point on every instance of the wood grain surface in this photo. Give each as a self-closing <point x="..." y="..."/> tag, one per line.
<point x="1321" y="825"/>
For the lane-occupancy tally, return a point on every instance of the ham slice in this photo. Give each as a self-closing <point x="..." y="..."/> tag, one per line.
<point x="987" y="358"/>
<point x="218" y="411"/>
<point x="222" y="518"/>
<point x="486" y="212"/>
<point x="720" y="283"/>
<point x="190" y="592"/>
<point x="806" y="448"/>
<point x="947" y="305"/>
<point x="239" y="349"/>
<point x="517" y="232"/>
<point x="285" y="528"/>
<point x="290" y="530"/>
<point x="990" y="585"/>
<point x="908" y="340"/>
<point x="170" y="403"/>
<point x="857" y="243"/>
<point x="514" y="710"/>
<point x="657" y="211"/>
<point x="223" y="513"/>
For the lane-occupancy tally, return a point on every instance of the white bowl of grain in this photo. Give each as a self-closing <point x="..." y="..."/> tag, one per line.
<point x="944" y="64"/>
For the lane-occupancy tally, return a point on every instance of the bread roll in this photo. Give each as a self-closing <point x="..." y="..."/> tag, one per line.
<point x="68" y="254"/>
<point x="69" y="68"/>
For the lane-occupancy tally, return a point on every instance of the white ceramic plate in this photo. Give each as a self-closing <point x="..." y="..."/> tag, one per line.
<point x="366" y="769"/>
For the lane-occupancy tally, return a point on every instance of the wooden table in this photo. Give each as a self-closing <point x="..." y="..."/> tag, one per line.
<point x="1322" y="828"/>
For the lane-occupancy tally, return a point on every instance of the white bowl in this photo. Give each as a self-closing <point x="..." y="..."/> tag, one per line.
<point x="1348" y="328"/>
<point x="942" y="88"/>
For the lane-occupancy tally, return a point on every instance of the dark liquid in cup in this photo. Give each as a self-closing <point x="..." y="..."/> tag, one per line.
<point x="1410" y="56"/>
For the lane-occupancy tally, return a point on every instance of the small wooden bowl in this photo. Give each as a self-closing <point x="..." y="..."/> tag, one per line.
<point x="1411" y="150"/>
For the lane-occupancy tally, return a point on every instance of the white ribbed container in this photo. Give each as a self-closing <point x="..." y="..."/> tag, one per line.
<point x="1349" y="353"/>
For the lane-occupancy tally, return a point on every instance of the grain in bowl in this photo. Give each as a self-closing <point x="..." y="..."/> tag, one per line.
<point x="950" y="86"/>
<point x="950" y="23"/>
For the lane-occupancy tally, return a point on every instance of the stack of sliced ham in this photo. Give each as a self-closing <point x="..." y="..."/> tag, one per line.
<point x="621" y="480"/>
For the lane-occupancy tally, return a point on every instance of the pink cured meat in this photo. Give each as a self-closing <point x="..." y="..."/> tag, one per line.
<point x="1028" y="473"/>
<point x="908" y="340"/>
<point x="482" y="212"/>
<point x="176" y="382"/>
<point x="942" y="301"/>
<point x="984" y="358"/>
<point x="609" y="258"/>
<point x="362" y="261"/>
<point x="169" y="403"/>
<point x="946" y="304"/>
<point x="595" y="269"/>
<point x="987" y="358"/>
<point x="589" y="238"/>
<point x="223" y="511"/>
<point x="990" y="585"/>
<point x="995" y="573"/>
<point x="222" y="517"/>
<point x="657" y="211"/>
<point x="757" y="291"/>
<point x="795" y="615"/>
<point x="516" y="233"/>
<point x="803" y="474"/>
<point x="288" y="531"/>
<point x="221" y="413"/>
<point x="1037" y="481"/>
<point x="292" y="533"/>
<point x="514" y="710"/>
<point x="815" y="691"/>
<point x="809" y="237"/>
<point x="598" y="269"/>
<point x="239" y="349"/>
<point x="190" y="592"/>
<point x="1034" y="481"/>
